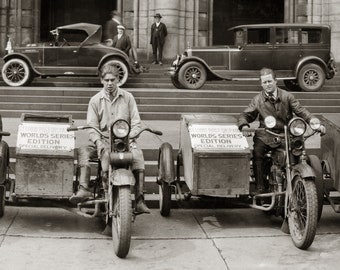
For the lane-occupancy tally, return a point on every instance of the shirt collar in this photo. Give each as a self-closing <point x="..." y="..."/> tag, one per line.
<point x="104" y="95"/>
<point x="276" y="94"/>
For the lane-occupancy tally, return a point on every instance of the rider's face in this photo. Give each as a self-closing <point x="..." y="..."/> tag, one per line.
<point x="109" y="82"/>
<point x="268" y="83"/>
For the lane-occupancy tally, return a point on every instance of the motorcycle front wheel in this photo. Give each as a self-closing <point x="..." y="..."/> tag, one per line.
<point x="302" y="212"/>
<point x="121" y="220"/>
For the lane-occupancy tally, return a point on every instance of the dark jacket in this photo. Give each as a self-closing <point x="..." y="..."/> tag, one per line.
<point x="282" y="109"/>
<point x="110" y="29"/>
<point x="123" y="43"/>
<point x="161" y="32"/>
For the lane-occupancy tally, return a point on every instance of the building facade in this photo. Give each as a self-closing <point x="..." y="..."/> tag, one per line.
<point x="189" y="22"/>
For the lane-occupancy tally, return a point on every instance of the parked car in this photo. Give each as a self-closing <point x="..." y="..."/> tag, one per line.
<point x="299" y="53"/>
<point x="76" y="50"/>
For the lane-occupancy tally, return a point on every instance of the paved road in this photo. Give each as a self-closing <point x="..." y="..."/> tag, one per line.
<point x="54" y="238"/>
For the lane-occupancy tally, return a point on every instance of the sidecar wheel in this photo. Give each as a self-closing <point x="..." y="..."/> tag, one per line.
<point x="315" y="163"/>
<point x="166" y="175"/>
<point x="302" y="212"/>
<point x="2" y="200"/>
<point x="121" y="220"/>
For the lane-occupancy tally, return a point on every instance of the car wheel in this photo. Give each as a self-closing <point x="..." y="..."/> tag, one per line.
<point x="192" y="75"/>
<point x="175" y="81"/>
<point x="122" y="70"/>
<point x="16" y="72"/>
<point x="311" y="78"/>
<point x="292" y="85"/>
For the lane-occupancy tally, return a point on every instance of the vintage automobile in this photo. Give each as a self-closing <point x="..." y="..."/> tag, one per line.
<point x="75" y="51"/>
<point x="299" y="53"/>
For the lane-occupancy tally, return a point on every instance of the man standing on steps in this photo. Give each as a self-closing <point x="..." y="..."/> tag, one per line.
<point x="110" y="28"/>
<point x="107" y="106"/>
<point x="158" y="34"/>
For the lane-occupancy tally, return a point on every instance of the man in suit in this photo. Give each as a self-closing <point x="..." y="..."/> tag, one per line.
<point x="158" y="34"/>
<point x="121" y="40"/>
<point x="110" y="28"/>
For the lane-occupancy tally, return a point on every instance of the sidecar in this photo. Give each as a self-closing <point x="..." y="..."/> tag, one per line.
<point x="214" y="158"/>
<point x="44" y="165"/>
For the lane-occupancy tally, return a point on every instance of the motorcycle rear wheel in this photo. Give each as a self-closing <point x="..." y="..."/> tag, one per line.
<point x="121" y="220"/>
<point x="302" y="212"/>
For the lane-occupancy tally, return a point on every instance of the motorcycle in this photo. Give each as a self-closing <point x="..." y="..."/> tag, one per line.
<point x="112" y="199"/>
<point x="293" y="178"/>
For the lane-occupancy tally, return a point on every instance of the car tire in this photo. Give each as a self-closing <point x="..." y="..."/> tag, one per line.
<point x="16" y="72"/>
<point x="192" y="75"/>
<point x="122" y="70"/>
<point x="175" y="82"/>
<point x="311" y="78"/>
<point x="292" y="85"/>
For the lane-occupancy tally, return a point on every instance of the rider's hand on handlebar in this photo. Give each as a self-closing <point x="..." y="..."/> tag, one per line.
<point x="245" y="132"/>
<point x="322" y="130"/>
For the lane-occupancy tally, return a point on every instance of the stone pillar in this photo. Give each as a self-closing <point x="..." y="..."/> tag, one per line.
<point x="327" y="12"/>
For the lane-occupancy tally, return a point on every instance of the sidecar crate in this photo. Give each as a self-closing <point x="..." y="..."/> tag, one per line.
<point x="44" y="157"/>
<point x="215" y="155"/>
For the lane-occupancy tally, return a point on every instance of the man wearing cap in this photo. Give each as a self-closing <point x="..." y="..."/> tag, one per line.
<point x="110" y="28"/>
<point x="158" y="34"/>
<point x="271" y="101"/>
<point x="121" y="40"/>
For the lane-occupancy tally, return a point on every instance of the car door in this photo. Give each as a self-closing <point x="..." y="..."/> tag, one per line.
<point x="257" y="50"/>
<point x="286" y="50"/>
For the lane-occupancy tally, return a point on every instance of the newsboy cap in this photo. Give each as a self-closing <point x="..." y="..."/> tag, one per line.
<point x="120" y="27"/>
<point x="157" y="15"/>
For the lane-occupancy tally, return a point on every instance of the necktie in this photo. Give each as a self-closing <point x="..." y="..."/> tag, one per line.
<point x="271" y="98"/>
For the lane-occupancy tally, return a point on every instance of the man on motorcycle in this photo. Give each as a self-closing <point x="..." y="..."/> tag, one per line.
<point x="110" y="104"/>
<point x="271" y="101"/>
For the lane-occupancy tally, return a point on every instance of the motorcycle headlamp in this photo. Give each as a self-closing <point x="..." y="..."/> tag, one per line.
<point x="315" y="123"/>
<point x="297" y="127"/>
<point x="270" y="121"/>
<point x="120" y="129"/>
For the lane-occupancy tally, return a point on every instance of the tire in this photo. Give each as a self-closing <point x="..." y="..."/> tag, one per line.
<point x="122" y="70"/>
<point x="311" y="78"/>
<point x="121" y="220"/>
<point x="175" y="82"/>
<point x="302" y="212"/>
<point x="192" y="75"/>
<point x="292" y="85"/>
<point x="166" y="175"/>
<point x="315" y="163"/>
<point x="16" y="72"/>
<point x="2" y="200"/>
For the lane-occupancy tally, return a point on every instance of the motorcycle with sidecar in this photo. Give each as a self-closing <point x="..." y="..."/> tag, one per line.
<point x="215" y="159"/>
<point x="45" y="169"/>
<point x="112" y="196"/>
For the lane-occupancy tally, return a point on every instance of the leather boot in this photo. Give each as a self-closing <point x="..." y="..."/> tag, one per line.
<point x="258" y="173"/>
<point x="83" y="193"/>
<point x="141" y="207"/>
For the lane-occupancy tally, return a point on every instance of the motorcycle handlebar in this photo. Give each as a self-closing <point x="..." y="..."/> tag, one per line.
<point x="4" y="133"/>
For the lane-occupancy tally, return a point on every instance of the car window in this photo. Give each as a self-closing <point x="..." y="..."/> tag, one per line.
<point x="239" y="36"/>
<point x="73" y="37"/>
<point x="286" y="36"/>
<point x="310" y="36"/>
<point x="258" y="36"/>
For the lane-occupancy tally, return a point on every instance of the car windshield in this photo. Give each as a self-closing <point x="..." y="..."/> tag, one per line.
<point x="239" y="37"/>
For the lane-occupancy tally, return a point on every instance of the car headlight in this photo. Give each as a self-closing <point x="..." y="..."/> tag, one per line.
<point x="315" y="123"/>
<point x="121" y="129"/>
<point x="297" y="127"/>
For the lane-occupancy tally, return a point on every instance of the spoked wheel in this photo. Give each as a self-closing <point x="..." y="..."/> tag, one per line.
<point x="2" y="200"/>
<point x="192" y="75"/>
<point x="16" y="72"/>
<point x="121" y="69"/>
<point x="302" y="212"/>
<point x="166" y="175"/>
<point x="121" y="220"/>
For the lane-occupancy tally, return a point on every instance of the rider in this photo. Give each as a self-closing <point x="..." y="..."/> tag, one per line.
<point x="110" y="104"/>
<point x="271" y="101"/>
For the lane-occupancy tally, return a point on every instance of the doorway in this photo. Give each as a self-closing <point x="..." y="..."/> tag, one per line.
<point x="56" y="13"/>
<point x="229" y="13"/>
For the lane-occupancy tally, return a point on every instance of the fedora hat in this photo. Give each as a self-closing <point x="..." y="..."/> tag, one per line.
<point x="157" y="15"/>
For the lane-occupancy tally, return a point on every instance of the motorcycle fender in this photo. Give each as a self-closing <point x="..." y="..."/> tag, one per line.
<point x="122" y="177"/>
<point x="304" y="170"/>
